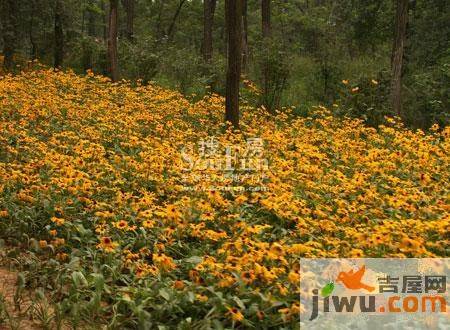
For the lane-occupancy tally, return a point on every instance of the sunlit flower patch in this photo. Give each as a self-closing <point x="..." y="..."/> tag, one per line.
<point x="93" y="172"/>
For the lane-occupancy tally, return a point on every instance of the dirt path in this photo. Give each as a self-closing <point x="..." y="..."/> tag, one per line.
<point x="8" y="288"/>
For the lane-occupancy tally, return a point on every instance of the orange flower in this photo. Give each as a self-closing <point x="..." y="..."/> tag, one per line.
<point x="57" y="221"/>
<point x="62" y="256"/>
<point x="179" y="285"/>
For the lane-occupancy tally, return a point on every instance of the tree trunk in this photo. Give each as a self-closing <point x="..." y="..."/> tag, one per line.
<point x="174" y="20"/>
<point x="87" y="56"/>
<point x="105" y="21"/>
<point x="9" y="31"/>
<point x="265" y="21"/>
<point x="129" y="10"/>
<point x="265" y="15"/>
<point x="112" y="40"/>
<point x="233" y="12"/>
<point x="244" y="35"/>
<point x="209" y="7"/>
<point x="91" y="20"/>
<point x="59" y="35"/>
<point x="398" y="50"/>
<point x="33" y="50"/>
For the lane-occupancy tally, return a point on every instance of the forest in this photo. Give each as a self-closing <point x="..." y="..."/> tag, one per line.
<point x="175" y="164"/>
<point x="366" y="59"/>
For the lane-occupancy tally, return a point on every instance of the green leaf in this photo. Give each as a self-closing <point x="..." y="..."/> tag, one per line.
<point x="79" y="280"/>
<point x="21" y="280"/>
<point x="98" y="280"/>
<point x="165" y="294"/>
<point x="327" y="289"/>
<point x="194" y="260"/>
<point x="239" y="302"/>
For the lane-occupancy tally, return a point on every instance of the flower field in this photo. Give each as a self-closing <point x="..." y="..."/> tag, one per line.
<point x="93" y="197"/>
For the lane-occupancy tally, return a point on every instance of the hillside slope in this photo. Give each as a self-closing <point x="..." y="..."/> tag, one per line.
<point x="96" y="181"/>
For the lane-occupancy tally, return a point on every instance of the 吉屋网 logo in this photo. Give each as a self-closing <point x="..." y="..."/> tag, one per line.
<point x="367" y="287"/>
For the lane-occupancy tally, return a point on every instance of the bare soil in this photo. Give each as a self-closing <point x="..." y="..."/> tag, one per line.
<point x="8" y="280"/>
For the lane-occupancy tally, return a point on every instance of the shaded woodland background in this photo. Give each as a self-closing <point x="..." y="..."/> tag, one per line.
<point x="298" y="53"/>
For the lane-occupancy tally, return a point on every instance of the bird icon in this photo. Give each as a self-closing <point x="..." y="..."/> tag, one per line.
<point x="352" y="280"/>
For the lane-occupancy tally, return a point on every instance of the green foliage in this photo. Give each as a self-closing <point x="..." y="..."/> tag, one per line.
<point x="273" y="64"/>
<point x="366" y="98"/>
<point x="139" y="59"/>
<point x="428" y="97"/>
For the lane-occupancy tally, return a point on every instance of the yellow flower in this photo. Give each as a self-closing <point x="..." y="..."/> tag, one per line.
<point x="107" y="245"/>
<point x="299" y="249"/>
<point x="201" y="297"/>
<point x="61" y="256"/>
<point x="294" y="277"/>
<point x="207" y="216"/>
<point x="356" y="253"/>
<point x="282" y="289"/>
<point x="248" y="277"/>
<point x="172" y="212"/>
<point x="148" y="224"/>
<point x="164" y="262"/>
<point x="122" y="225"/>
<point x="240" y="199"/>
<point x="57" y="221"/>
<point x="58" y="242"/>
<point x="277" y="249"/>
<point x="409" y="244"/>
<point x="235" y="314"/>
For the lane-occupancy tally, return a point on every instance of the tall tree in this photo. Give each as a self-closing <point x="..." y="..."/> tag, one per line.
<point x="209" y="7"/>
<point x="398" y="50"/>
<point x="233" y="13"/>
<point x="265" y="18"/>
<point x="266" y="31"/>
<point x="105" y="21"/>
<point x="87" y="53"/>
<point x="33" y="49"/>
<point x="8" y="15"/>
<point x="129" y="10"/>
<point x="113" y="61"/>
<point x="59" y="35"/>
<point x="171" y="28"/>
<point x="92" y="17"/>
<point x="244" y="35"/>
